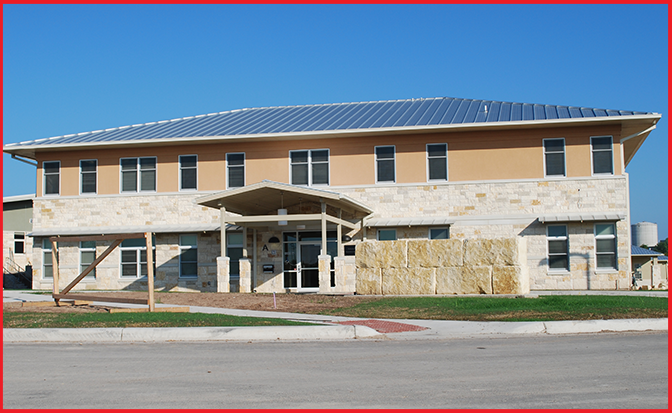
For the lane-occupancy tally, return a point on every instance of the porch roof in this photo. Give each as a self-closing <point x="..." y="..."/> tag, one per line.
<point x="265" y="196"/>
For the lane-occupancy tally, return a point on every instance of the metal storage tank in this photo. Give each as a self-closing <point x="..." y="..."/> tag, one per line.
<point x="644" y="233"/>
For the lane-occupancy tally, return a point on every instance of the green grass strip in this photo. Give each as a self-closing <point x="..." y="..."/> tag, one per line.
<point x="106" y="320"/>
<point x="543" y="308"/>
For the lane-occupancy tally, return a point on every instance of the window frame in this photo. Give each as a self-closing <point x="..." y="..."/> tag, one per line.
<point x="20" y="241"/>
<point x="47" y="249"/>
<point x="44" y="178"/>
<point x="310" y="163"/>
<point x="138" y="259"/>
<point x="429" y="177"/>
<point x="564" y="158"/>
<point x="394" y="162"/>
<point x="182" y="168"/>
<point x="82" y="266"/>
<point x="138" y="178"/>
<point x="429" y="232"/>
<point x="592" y="156"/>
<point x="228" y="170"/>
<point x="564" y="238"/>
<point x="386" y="229"/>
<point x="183" y="248"/>
<point x="81" y="177"/>
<point x="613" y="237"/>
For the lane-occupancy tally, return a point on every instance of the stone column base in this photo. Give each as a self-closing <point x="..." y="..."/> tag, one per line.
<point x="223" y="283"/>
<point x="245" y="280"/>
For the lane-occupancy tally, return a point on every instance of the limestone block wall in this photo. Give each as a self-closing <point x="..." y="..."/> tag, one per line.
<point x="454" y="266"/>
<point x="8" y="250"/>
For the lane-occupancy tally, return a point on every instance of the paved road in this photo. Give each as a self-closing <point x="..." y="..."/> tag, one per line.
<point x="608" y="370"/>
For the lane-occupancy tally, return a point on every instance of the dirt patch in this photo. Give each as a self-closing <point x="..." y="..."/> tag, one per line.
<point x="290" y="303"/>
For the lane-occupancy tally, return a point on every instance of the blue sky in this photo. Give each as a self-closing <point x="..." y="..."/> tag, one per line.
<point x="78" y="68"/>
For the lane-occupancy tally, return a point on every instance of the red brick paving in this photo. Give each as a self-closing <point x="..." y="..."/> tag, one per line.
<point x="382" y="326"/>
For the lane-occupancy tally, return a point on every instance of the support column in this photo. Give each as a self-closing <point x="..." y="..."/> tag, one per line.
<point x="244" y="282"/>
<point x="222" y="230"/>
<point x="150" y="270"/>
<point x="339" y="235"/>
<point x="254" y="259"/>
<point x="324" y="266"/>
<point x="324" y="227"/>
<point x="223" y="283"/>
<point x="244" y="242"/>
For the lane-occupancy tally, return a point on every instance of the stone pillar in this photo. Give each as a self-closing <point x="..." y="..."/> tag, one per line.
<point x="344" y="273"/>
<point x="324" y="265"/>
<point x="245" y="280"/>
<point x="223" y="284"/>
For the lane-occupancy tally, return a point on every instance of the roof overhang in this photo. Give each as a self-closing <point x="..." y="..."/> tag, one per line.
<point x="266" y="196"/>
<point x="583" y="217"/>
<point x="630" y="124"/>
<point x="112" y="230"/>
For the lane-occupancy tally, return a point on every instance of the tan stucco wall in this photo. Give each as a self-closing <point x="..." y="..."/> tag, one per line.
<point x="473" y="156"/>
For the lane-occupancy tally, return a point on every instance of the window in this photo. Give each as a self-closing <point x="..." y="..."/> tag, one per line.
<point x="19" y="243"/>
<point x="87" y="254"/>
<point x="188" y="255"/>
<point x="235" y="168"/>
<point x="138" y="173"/>
<point x="554" y="157"/>
<point x="558" y="248"/>
<point x="437" y="162"/>
<point x="47" y="264"/>
<point x="88" y="172"/>
<point x="385" y="164"/>
<point x="387" y="235"/>
<point x="134" y="258"/>
<point x="234" y="250"/>
<point x="605" y="245"/>
<point x="309" y="167"/>
<point x="603" y="158"/>
<point x="52" y="173"/>
<point x="188" y="172"/>
<point x="439" y="233"/>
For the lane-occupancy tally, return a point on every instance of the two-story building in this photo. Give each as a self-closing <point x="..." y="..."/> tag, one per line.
<point x="418" y="196"/>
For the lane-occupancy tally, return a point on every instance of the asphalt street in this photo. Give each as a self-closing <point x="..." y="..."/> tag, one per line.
<point x="607" y="370"/>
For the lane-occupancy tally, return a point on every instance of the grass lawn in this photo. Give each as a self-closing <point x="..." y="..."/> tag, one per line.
<point x="544" y="308"/>
<point x="23" y="319"/>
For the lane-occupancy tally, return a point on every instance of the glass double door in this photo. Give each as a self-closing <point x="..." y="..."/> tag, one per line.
<point x="300" y="255"/>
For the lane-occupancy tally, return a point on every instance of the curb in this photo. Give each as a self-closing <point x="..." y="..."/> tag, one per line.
<point x="137" y="334"/>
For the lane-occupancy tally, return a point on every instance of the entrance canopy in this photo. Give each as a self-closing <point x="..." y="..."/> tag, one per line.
<point x="266" y="196"/>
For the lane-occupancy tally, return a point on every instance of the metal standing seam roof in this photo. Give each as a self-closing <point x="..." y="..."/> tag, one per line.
<point x="634" y="250"/>
<point x="358" y="116"/>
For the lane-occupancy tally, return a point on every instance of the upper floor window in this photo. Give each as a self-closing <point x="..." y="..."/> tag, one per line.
<point x="188" y="172"/>
<point x="558" y="247"/>
<point x="385" y="168"/>
<point x="439" y="233"/>
<point x="603" y="157"/>
<point x="554" y="157"/>
<point x="235" y="170"/>
<point x="138" y="174"/>
<point x="52" y="177"/>
<point x="88" y="176"/>
<point x="309" y="167"/>
<point x="437" y="162"/>
<point x="605" y="245"/>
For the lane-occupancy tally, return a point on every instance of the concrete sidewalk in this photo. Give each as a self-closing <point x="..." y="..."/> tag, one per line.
<point x="327" y="330"/>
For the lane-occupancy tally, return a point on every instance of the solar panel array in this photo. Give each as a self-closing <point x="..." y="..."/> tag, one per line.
<point x="333" y="117"/>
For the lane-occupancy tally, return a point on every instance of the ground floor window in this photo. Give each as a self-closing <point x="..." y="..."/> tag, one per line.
<point x="558" y="248"/>
<point x="387" y="235"/>
<point x="188" y="255"/>
<point x="234" y="250"/>
<point x="19" y="243"/>
<point x="87" y="254"/>
<point x="47" y="264"/>
<point x="134" y="258"/>
<point x="605" y="246"/>
<point x="439" y="233"/>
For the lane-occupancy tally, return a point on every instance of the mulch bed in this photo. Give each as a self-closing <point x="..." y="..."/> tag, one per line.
<point x="383" y="326"/>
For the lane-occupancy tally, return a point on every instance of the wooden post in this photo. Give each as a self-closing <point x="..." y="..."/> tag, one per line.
<point x="93" y="265"/>
<point x="54" y="266"/>
<point x="150" y="271"/>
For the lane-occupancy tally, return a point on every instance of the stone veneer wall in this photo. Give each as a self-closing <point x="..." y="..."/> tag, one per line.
<point x="416" y="267"/>
<point x="8" y="245"/>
